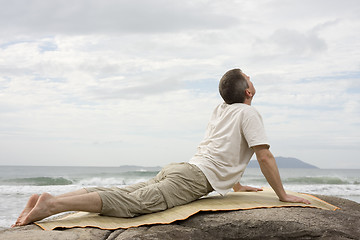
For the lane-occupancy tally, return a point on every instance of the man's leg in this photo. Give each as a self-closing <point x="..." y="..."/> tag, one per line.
<point x="120" y="203"/>
<point x="184" y="183"/>
<point x="136" y="186"/>
<point x="151" y="181"/>
<point x="74" y="193"/>
<point x="181" y="184"/>
<point x="48" y="205"/>
<point x="34" y="198"/>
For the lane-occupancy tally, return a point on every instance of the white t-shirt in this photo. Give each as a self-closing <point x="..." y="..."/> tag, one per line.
<point x="226" y="149"/>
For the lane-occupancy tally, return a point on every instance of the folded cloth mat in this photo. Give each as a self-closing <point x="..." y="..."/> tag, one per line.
<point x="232" y="201"/>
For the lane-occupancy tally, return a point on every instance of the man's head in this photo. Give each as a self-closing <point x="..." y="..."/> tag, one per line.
<point x="236" y="87"/>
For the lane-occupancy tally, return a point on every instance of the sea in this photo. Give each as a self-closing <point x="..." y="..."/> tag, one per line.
<point x="18" y="183"/>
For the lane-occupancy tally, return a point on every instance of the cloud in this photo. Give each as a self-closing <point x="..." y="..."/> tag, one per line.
<point x="107" y="17"/>
<point x="283" y="43"/>
<point x="298" y="43"/>
<point x="113" y="90"/>
<point x="140" y="77"/>
<point x="305" y="11"/>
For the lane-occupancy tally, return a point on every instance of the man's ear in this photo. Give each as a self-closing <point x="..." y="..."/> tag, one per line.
<point x="248" y="93"/>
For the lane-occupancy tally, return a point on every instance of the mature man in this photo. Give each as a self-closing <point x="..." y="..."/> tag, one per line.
<point x="235" y="132"/>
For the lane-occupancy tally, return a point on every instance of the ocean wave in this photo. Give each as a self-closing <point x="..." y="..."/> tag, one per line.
<point x="326" y="189"/>
<point x="100" y="181"/>
<point x="131" y="178"/>
<point x="139" y="173"/>
<point x="86" y="179"/>
<point x="55" y="181"/>
<point x="320" y="180"/>
<point x="38" y="181"/>
<point x="111" y="181"/>
<point x="307" y="180"/>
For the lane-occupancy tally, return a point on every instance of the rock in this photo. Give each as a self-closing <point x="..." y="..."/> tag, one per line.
<point x="33" y="232"/>
<point x="267" y="223"/>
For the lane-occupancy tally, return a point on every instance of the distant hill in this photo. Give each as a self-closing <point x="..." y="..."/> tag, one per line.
<point x="284" y="162"/>
<point x="139" y="168"/>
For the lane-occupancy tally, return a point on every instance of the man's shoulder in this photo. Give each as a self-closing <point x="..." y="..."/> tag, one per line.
<point x="249" y="112"/>
<point x="233" y="106"/>
<point x="245" y="108"/>
<point x="236" y="108"/>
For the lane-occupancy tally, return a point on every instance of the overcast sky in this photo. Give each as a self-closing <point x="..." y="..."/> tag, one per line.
<point x="108" y="83"/>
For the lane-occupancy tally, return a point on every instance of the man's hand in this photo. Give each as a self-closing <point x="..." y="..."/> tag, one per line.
<point x="240" y="188"/>
<point x="294" y="199"/>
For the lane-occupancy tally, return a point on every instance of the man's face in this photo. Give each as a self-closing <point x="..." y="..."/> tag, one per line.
<point x="251" y="85"/>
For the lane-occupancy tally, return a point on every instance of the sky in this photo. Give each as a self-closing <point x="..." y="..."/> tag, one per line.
<point x="134" y="82"/>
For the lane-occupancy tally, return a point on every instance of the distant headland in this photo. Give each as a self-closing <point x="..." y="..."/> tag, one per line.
<point x="282" y="162"/>
<point x="285" y="162"/>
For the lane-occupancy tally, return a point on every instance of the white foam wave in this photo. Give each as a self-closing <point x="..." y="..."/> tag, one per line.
<point x="98" y="181"/>
<point x="334" y="190"/>
<point x="110" y="181"/>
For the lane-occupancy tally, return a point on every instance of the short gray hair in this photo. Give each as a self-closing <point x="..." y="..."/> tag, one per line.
<point x="232" y="86"/>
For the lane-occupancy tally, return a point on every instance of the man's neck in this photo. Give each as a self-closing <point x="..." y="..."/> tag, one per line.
<point x="248" y="101"/>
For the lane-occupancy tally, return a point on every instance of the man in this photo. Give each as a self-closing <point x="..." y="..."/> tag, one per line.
<point x="234" y="133"/>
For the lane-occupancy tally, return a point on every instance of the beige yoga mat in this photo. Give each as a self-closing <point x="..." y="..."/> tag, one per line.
<point x="232" y="201"/>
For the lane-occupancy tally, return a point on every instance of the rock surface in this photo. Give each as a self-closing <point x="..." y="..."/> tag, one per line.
<point x="271" y="223"/>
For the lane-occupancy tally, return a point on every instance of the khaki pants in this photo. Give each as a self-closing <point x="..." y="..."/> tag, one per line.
<point x="176" y="184"/>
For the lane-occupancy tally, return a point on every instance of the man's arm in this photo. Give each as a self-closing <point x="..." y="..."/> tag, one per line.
<point x="271" y="172"/>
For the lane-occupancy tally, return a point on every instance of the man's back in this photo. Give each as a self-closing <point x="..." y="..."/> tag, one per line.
<point x="226" y="149"/>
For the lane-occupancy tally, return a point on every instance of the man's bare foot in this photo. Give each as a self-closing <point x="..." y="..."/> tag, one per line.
<point x="29" y="206"/>
<point x="41" y="210"/>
